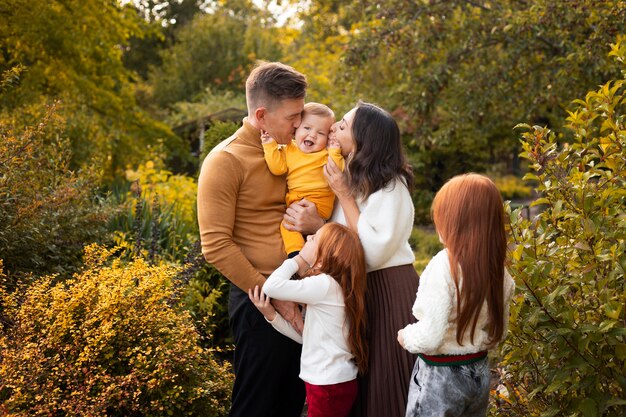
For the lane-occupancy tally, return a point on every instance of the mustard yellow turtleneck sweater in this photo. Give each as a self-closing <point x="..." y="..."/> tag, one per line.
<point x="240" y="207"/>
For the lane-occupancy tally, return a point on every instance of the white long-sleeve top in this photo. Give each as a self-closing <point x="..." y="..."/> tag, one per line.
<point x="384" y="226"/>
<point x="436" y="312"/>
<point x="326" y="358"/>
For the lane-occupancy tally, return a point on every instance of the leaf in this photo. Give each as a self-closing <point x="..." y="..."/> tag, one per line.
<point x="620" y="351"/>
<point x="540" y="201"/>
<point x="589" y="407"/>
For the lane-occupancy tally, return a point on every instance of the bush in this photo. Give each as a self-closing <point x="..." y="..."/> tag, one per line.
<point x="158" y="213"/>
<point x="512" y="187"/>
<point x="158" y="221"/>
<point x="215" y="134"/>
<point x="47" y="212"/>
<point x="566" y="350"/>
<point x="110" y="342"/>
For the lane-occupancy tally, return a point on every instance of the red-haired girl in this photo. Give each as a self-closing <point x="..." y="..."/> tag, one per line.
<point x="462" y="303"/>
<point x="333" y="340"/>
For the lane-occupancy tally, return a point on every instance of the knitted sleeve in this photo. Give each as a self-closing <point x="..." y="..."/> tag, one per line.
<point x="275" y="158"/>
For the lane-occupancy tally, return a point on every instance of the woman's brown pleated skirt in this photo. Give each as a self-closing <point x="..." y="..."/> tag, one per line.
<point x="390" y="297"/>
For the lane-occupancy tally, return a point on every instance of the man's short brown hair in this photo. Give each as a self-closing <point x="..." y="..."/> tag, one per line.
<point x="271" y="82"/>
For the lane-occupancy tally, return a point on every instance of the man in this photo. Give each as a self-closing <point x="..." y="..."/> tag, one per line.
<point x="240" y="207"/>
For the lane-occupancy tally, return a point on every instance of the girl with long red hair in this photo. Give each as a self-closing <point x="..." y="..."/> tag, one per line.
<point x="462" y="303"/>
<point x="334" y="350"/>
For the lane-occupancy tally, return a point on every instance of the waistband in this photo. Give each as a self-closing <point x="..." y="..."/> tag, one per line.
<point x="453" y="360"/>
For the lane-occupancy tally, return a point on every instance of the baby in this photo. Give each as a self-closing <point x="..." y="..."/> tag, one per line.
<point x="303" y="160"/>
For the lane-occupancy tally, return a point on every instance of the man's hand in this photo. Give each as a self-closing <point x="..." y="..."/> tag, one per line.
<point x="302" y="216"/>
<point x="290" y="312"/>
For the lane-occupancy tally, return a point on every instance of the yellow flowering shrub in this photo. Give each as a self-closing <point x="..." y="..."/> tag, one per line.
<point x="511" y="187"/>
<point x="171" y="189"/>
<point x="111" y="341"/>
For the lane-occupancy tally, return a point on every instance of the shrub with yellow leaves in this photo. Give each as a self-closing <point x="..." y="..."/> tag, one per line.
<point x="111" y="341"/>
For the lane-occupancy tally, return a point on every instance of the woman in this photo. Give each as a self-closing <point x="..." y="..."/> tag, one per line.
<point x="373" y="198"/>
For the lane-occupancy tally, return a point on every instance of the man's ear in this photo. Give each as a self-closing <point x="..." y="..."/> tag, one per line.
<point x="260" y="114"/>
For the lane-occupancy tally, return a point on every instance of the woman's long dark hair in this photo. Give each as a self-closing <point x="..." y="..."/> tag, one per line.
<point x="340" y="255"/>
<point x="379" y="156"/>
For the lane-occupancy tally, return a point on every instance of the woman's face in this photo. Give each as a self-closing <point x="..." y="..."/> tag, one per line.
<point x="342" y="132"/>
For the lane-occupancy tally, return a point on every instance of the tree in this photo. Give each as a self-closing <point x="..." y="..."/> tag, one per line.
<point x="72" y="51"/>
<point x="163" y="19"/>
<point x="215" y="50"/>
<point x="458" y="75"/>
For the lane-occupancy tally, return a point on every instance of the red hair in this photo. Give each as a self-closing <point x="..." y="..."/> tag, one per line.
<point x="469" y="216"/>
<point x="340" y="255"/>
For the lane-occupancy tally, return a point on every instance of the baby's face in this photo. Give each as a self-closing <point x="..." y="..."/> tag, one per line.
<point x="312" y="134"/>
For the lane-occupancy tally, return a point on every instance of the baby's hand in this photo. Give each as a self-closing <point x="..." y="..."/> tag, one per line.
<point x="334" y="143"/>
<point x="265" y="137"/>
<point x="262" y="303"/>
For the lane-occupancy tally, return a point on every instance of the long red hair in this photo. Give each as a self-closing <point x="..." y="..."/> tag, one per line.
<point x="469" y="216"/>
<point x="340" y="255"/>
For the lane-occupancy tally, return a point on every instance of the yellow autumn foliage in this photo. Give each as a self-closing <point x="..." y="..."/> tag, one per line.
<point x="111" y="341"/>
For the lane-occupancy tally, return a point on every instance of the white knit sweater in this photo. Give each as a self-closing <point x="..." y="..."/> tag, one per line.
<point x="326" y="358"/>
<point x="435" y="310"/>
<point x="384" y="226"/>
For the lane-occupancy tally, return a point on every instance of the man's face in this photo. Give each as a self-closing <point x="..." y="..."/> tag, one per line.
<point x="281" y="121"/>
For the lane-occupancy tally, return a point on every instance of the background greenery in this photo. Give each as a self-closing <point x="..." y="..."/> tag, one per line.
<point x="107" y="109"/>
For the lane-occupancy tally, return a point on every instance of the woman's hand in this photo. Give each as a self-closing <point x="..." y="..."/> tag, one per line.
<point x="302" y="217"/>
<point x="337" y="179"/>
<point x="338" y="182"/>
<point x="262" y="303"/>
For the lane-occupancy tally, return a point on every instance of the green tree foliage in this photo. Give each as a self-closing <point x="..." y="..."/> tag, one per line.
<point x="163" y="19"/>
<point x="109" y="342"/>
<point x="566" y="350"/>
<point x="458" y="75"/>
<point x="72" y="51"/>
<point x="47" y="211"/>
<point x="317" y="47"/>
<point x="214" y="50"/>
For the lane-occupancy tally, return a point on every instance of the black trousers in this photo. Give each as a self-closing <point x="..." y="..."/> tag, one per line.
<point x="267" y="365"/>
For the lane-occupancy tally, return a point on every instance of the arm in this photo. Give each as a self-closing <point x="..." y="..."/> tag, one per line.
<point x="385" y="223"/>
<point x="310" y="290"/>
<point x="338" y="182"/>
<point x="218" y="188"/>
<point x="275" y="157"/>
<point x="262" y="303"/>
<point x="432" y="308"/>
<point x="335" y="155"/>
<point x="283" y="327"/>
